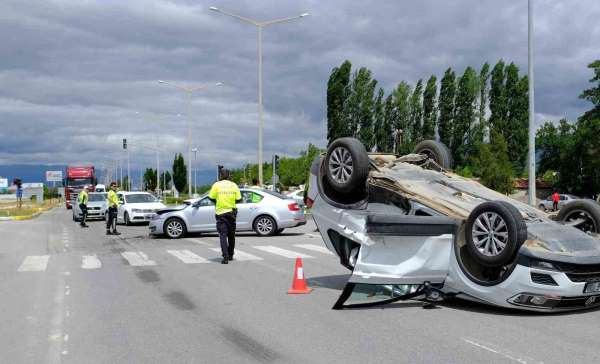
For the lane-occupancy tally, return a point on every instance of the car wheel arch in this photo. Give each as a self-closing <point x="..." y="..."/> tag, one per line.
<point x="261" y="215"/>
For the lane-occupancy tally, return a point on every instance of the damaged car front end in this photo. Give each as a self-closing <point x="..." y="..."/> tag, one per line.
<point x="407" y="228"/>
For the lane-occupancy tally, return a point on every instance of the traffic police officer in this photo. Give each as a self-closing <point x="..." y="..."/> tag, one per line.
<point x="225" y="194"/>
<point x="113" y="208"/>
<point x="82" y="200"/>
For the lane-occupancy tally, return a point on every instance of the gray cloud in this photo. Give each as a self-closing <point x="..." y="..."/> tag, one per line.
<point x="74" y="74"/>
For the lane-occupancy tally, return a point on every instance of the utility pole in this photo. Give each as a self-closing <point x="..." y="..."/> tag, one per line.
<point x="532" y="200"/>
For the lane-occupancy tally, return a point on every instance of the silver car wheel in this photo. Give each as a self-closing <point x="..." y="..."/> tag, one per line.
<point x="490" y="234"/>
<point x="264" y="225"/>
<point x="174" y="228"/>
<point x="341" y="165"/>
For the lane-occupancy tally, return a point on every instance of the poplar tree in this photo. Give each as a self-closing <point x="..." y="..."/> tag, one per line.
<point x="337" y="92"/>
<point x="498" y="107"/>
<point x="416" y="113"/>
<point x="481" y="130"/>
<point x="387" y="133"/>
<point x="465" y="115"/>
<point x="429" y="108"/>
<point x="402" y="118"/>
<point x="517" y="96"/>
<point x="446" y="106"/>
<point x="359" y="104"/>
<point x="379" y="119"/>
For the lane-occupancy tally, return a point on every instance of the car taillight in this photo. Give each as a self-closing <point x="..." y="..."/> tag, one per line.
<point x="309" y="202"/>
<point x="293" y="207"/>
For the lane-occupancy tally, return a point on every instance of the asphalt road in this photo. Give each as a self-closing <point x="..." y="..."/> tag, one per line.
<point x="72" y="295"/>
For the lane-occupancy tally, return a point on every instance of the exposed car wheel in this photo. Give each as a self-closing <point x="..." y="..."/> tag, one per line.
<point x="436" y="151"/>
<point x="581" y="214"/>
<point x="126" y="218"/>
<point x="265" y="225"/>
<point x="494" y="233"/>
<point x="346" y="164"/>
<point x="174" y="228"/>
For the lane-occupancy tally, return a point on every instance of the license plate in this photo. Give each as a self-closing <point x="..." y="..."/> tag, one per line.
<point x="592" y="287"/>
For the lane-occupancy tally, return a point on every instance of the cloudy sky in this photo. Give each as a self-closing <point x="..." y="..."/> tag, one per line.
<point x="78" y="76"/>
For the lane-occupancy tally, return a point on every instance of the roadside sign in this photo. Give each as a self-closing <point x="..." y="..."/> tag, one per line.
<point x="54" y="176"/>
<point x="3" y="182"/>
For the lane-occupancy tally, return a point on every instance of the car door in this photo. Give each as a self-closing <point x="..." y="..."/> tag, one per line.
<point x="122" y="207"/>
<point x="247" y="209"/>
<point x="393" y="256"/>
<point x="202" y="216"/>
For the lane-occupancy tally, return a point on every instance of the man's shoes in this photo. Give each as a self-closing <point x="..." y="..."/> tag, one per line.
<point x="116" y="232"/>
<point x="108" y="232"/>
<point x="225" y="261"/>
<point x="84" y="225"/>
<point x="230" y="257"/>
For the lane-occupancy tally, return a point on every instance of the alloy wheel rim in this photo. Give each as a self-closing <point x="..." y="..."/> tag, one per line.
<point x="341" y="165"/>
<point x="264" y="226"/>
<point x="174" y="228"/>
<point x="490" y="234"/>
<point x="581" y="220"/>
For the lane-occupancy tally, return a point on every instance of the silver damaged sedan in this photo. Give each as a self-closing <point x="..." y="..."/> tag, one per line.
<point x="265" y="212"/>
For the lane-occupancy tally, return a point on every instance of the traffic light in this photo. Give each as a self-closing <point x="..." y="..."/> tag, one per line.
<point x="124" y="143"/>
<point x="275" y="162"/>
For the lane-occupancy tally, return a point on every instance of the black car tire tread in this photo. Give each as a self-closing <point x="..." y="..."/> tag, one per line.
<point x="591" y="207"/>
<point x="437" y="151"/>
<point x="516" y="229"/>
<point x="360" y="162"/>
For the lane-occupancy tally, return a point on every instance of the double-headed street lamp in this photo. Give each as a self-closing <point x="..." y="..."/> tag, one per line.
<point x="260" y="25"/>
<point x="189" y="91"/>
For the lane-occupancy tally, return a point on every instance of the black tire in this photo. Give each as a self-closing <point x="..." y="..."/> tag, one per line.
<point x="510" y="233"/>
<point x="542" y="207"/>
<point x="279" y="231"/>
<point x="588" y="212"/>
<point x="436" y="151"/>
<point x="174" y="228"/>
<point x="347" y="165"/>
<point x="126" y="219"/>
<point x="264" y="225"/>
<point x="74" y="218"/>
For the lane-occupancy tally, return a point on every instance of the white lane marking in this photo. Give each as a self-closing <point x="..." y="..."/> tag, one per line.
<point x="316" y="248"/>
<point x="34" y="263"/>
<point x="283" y="252"/>
<point x="505" y="353"/>
<point x="240" y="255"/>
<point x="137" y="259"/>
<point x="187" y="256"/>
<point x="198" y="241"/>
<point x="90" y="262"/>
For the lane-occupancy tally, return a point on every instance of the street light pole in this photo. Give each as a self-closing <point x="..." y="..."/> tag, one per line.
<point x="260" y="25"/>
<point x="532" y="186"/>
<point x="189" y="91"/>
<point x="195" y="150"/>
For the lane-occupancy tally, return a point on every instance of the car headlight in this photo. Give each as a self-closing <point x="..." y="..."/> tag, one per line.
<point x="136" y="210"/>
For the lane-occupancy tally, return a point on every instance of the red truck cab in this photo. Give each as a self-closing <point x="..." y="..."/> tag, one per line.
<point x="76" y="178"/>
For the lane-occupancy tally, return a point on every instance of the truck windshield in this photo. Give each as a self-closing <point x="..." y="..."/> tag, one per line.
<point x="79" y="182"/>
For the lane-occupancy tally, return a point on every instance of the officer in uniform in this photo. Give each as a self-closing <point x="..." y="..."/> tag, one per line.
<point x="225" y="194"/>
<point x="82" y="200"/>
<point x="113" y="208"/>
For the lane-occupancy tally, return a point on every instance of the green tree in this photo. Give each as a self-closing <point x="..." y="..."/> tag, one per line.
<point x="179" y="173"/>
<point x="593" y="94"/>
<point x="464" y="117"/>
<point x="402" y="116"/>
<point x="416" y="113"/>
<point x="446" y="106"/>
<point x="518" y="118"/>
<point x="429" y="108"/>
<point x="150" y="179"/>
<point x="492" y="165"/>
<point x="165" y="180"/>
<point x="482" y="127"/>
<point x="379" y="121"/>
<point x="386" y="139"/>
<point x="359" y="105"/>
<point x="337" y="93"/>
<point x="497" y="95"/>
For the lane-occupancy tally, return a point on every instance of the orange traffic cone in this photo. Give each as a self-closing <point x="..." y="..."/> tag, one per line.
<point x="299" y="282"/>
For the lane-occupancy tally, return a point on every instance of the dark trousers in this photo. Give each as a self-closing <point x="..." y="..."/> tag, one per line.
<point x="555" y="206"/>
<point x="112" y="218"/>
<point x="84" y="213"/>
<point x="226" y="229"/>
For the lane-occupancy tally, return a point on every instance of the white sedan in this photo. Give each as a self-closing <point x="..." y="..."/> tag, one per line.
<point x="137" y="207"/>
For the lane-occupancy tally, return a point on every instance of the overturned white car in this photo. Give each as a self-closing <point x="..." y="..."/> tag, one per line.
<point x="408" y="228"/>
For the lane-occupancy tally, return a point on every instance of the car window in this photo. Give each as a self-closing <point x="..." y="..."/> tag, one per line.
<point x="251" y="197"/>
<point x="563" y="197"/>
<point x="205" y="202"/>
<point x="276" y="194"/>
<point x="96" y="197"/>
<point x="140" y="198"/>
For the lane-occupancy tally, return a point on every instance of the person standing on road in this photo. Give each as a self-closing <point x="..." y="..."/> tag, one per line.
<point x="225" y="194"/>
<point x="82" y="200"/>
<point x="113" y="209"/>
<point x="555" y="199"/>
<point x="19" y="184"/>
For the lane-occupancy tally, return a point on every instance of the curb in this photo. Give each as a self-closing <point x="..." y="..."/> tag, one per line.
<point x="24" y="217"/>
